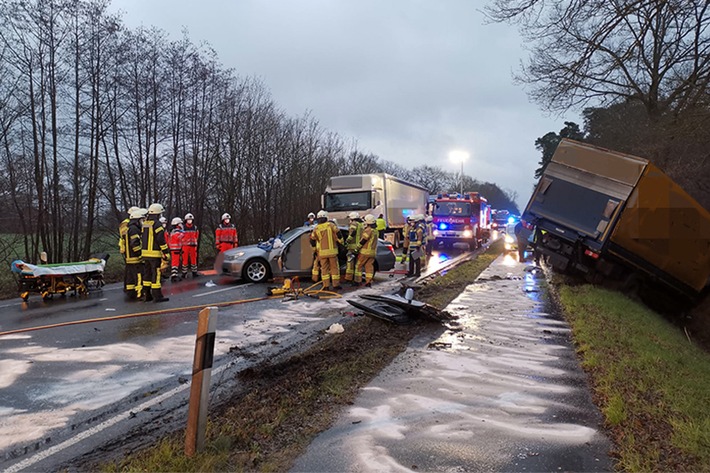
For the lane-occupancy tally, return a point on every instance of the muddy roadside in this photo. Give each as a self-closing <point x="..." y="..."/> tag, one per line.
<point x="282" y="404"/>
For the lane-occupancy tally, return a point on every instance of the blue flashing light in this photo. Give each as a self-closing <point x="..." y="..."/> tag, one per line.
<point x="443" y="226"/>
<point x="511" y="219"/>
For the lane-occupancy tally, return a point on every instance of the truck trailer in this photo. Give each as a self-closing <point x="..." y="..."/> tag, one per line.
<point x="609" y="214"/>
<point x="375" y="194"/>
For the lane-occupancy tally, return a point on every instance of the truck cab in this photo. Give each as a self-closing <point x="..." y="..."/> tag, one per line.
<point x="462" y="218"/>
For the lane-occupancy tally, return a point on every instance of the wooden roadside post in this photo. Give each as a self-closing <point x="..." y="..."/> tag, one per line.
<point x="200" y="388"/>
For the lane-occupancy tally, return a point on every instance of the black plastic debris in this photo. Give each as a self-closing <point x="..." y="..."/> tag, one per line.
<point x="383" y="311"/>
<point x="398" y="309"/>
<point x="413" y="307"/>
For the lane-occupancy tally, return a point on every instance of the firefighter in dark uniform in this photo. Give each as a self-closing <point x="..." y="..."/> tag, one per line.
<point x="133" y="281"/>
<point x="155" y="250"/>
<point x="122" y="241"/>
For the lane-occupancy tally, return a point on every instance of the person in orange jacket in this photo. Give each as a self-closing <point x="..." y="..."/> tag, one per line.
<point x="225" y="235"/>
<point x="175" y="246"/>
<point x="190" y="239"/>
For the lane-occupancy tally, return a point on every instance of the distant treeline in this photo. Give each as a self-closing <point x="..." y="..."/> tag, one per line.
<point x="96" y="117"/>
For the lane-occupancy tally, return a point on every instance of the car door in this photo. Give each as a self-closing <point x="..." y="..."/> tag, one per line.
<point x="297" y="256"/>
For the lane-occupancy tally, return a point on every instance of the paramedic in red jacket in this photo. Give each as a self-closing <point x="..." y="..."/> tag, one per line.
<point x="225" y="236"/>
<point x="175" y="245"/>
<point x="190" y="238"/>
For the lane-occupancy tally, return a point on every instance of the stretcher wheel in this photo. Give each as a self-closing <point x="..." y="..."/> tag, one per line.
<point x="25" y="295"/>
<point x="46" y="296"/>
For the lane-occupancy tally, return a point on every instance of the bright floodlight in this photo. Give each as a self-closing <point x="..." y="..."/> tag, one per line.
<point x="459" y="157"/>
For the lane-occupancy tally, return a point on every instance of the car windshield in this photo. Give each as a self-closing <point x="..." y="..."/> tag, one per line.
<point x="289" y="234"/>
<point x="444" y="209"/>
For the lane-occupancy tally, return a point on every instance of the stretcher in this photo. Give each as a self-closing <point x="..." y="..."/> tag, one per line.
<point x="64" y="278"/>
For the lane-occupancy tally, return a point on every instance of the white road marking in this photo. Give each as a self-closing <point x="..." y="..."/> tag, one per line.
<point x="102" y="426"/>
<point x="222" y="290"/>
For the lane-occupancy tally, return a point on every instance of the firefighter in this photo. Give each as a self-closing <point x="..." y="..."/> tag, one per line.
<point x="133" y="278"/>
<point x="190" y="238"/>
<point x="225" y="236"/>
<point x="154" y="250"/>
<point x="326" y="239"/>
<point x="367" y="250"/>
<point x="352" y="241"/>
<point x="416" y="240"/>
<point x="310" y="220"/>
<point x="165" y="264"/>
<point x="122" y="241"/>
<point x="405" y="242"/>
<point x="175" y="246"/>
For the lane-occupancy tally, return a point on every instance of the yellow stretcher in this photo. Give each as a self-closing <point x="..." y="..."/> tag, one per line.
<point x="49" y="279"/>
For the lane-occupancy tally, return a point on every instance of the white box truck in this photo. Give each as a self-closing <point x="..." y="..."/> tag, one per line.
<point x="375" y="194"/>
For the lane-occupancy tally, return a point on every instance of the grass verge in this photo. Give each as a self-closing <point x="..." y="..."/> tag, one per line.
<point x="651" y="384"/>
<point x="286" y="404"/>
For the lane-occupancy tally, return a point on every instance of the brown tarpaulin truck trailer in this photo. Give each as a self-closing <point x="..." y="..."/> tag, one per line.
<point x="606" y="213"/>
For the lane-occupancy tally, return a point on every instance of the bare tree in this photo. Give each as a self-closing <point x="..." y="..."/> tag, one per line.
<point x="598" y="52"/>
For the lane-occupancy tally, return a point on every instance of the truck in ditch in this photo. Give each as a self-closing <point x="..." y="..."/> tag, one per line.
<point x="612" y="215"/>
<point x="377" y="194"/>
<point x="461" y="218"/>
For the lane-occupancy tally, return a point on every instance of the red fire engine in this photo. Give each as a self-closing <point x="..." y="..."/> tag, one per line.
<point x="461" y="218"/>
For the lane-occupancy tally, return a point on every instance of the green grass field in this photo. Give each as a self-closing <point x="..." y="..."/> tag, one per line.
<point x="651" y="383"/>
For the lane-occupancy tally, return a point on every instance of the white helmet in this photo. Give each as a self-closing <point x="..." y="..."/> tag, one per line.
<point x="189" y="216"/>
<point x="353" y="215"/>
<point x="322" y="214"/>
<point x="138" y="213"/>
<point x="176" y="221"/>
<point x="370" y="219"/>
<point x="163" y="220"/>
<point x="226" y="216"/>
<point x="311" y="215"/>
<point x="429" y="218"/>
<point x="155" y="209"/>
<point x="133" y="209"/>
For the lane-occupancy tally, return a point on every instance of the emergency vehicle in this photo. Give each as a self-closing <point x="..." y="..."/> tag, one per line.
<point x="462" y="218"/>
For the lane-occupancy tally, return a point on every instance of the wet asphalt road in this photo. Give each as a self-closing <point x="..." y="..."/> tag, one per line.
<point x="68" y="390"/>
<point x="499" y="391"/>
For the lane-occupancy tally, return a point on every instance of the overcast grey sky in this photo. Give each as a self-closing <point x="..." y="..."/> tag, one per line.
<point x="408" y="80"/>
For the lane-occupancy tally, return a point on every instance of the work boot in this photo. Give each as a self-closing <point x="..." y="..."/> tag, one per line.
<point x="146" y="297"/>
<point x="157" y="296"/>
<point x="368" y="284"/>
<point x="174" y="279"/>
<point x="195" y="274"/>
<point x="184" y="276"/>
<point x="338" y="288"/>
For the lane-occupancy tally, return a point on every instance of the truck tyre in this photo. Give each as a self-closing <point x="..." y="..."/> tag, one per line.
<point x="473" y="245"/>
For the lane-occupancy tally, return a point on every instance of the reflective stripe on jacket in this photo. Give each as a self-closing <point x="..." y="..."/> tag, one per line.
<point x="132" y="242"/>
<point x="369" y="242"/>
<point x="154" y="245"/>
<point x="226" y="234"/>
<point x="190" y="235"/>
<point x="174" y="238"/>
<point x="354" y="234"/>
<point x="327" y="238"/>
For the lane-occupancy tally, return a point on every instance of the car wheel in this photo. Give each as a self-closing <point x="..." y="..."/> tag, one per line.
<point x="256" y="271"/>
